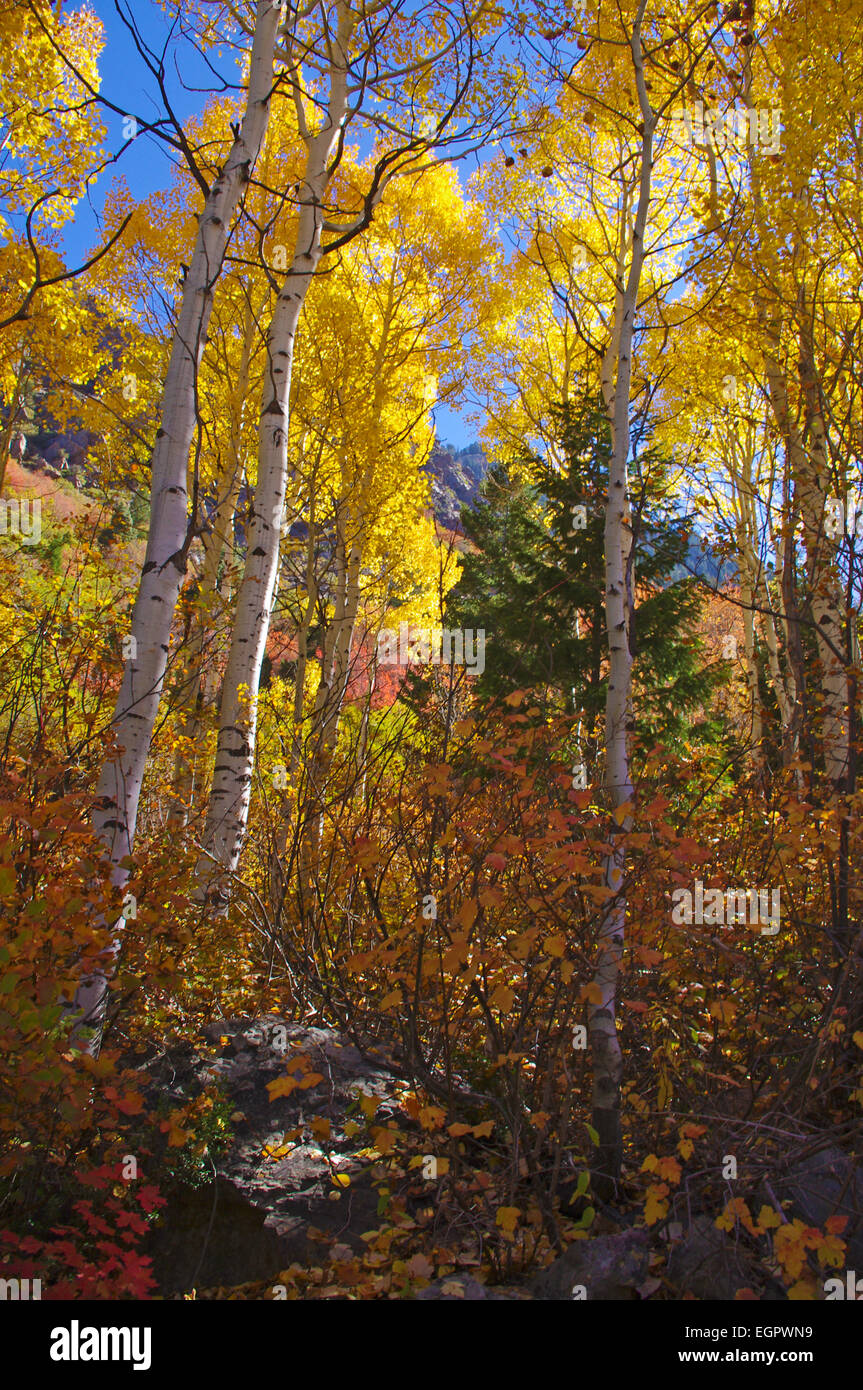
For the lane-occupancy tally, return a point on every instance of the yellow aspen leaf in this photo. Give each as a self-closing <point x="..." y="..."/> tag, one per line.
<point x="655" y="1206"/>
<point x="789" y="1245"/>
<point x="321" y="1127"/>
<point x="282" y="1086"/>
<point x="507" y="1218"/>
<point x="831" y="1251"/>
<point x="432" y="1117"/>
<point x="340" y="1179"/>
<point x="554" y="945"/>
<point x="277" y="1151"/>
<point x="737" y="1210"/>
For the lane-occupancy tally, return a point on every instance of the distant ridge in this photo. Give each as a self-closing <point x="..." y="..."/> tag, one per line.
<point x="456" y="475"/>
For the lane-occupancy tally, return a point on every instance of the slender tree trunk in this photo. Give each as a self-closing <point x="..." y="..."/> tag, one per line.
<point x="605" y="1044"/>
<point x="783" y="684"/>
<point x="330" y="695"/>
<point x="748" y="567"/>
<point x="192" y="699"/>
<point x="216" y="545"/>
<point x="12" y="423"/>
<point x="119" y="786"/>
<point x="825" y="595"/>
<point x="228" y="809"/>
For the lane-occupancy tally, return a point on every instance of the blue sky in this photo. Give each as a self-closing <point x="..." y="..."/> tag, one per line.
<point x="145" y="162"/>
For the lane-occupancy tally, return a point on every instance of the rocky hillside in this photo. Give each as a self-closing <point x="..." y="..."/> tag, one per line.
<point x="456" y="475"/>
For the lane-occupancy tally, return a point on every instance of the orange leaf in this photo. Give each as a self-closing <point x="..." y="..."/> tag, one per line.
<point x="282" y="1086"/>
<point x="432" y="1117"/>
<point x="384" y="1139"/>
<point x="502" y="998"/>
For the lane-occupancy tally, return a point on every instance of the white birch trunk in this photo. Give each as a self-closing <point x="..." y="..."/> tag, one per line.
<point x="192" y="700"/>
<point x="216" y="545"/>
<point x="228" y="809"/>
<point x="605" y="1046"/>
<point x="119" y="786"/>
<point x="810" y="471"/>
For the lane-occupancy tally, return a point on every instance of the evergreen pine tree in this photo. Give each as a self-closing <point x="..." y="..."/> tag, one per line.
<point x="535" y="583"/>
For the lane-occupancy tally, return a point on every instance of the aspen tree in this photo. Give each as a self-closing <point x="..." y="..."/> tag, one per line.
<point x="606" y="1053"/>
<point x="350" y="49"/>
<point x="119" y="785"/>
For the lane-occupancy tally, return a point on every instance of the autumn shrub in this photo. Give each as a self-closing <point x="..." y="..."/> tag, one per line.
<point x="457" y="910"/>
<point x="91" y="1246"/>
<point x="67" y="1119"/>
